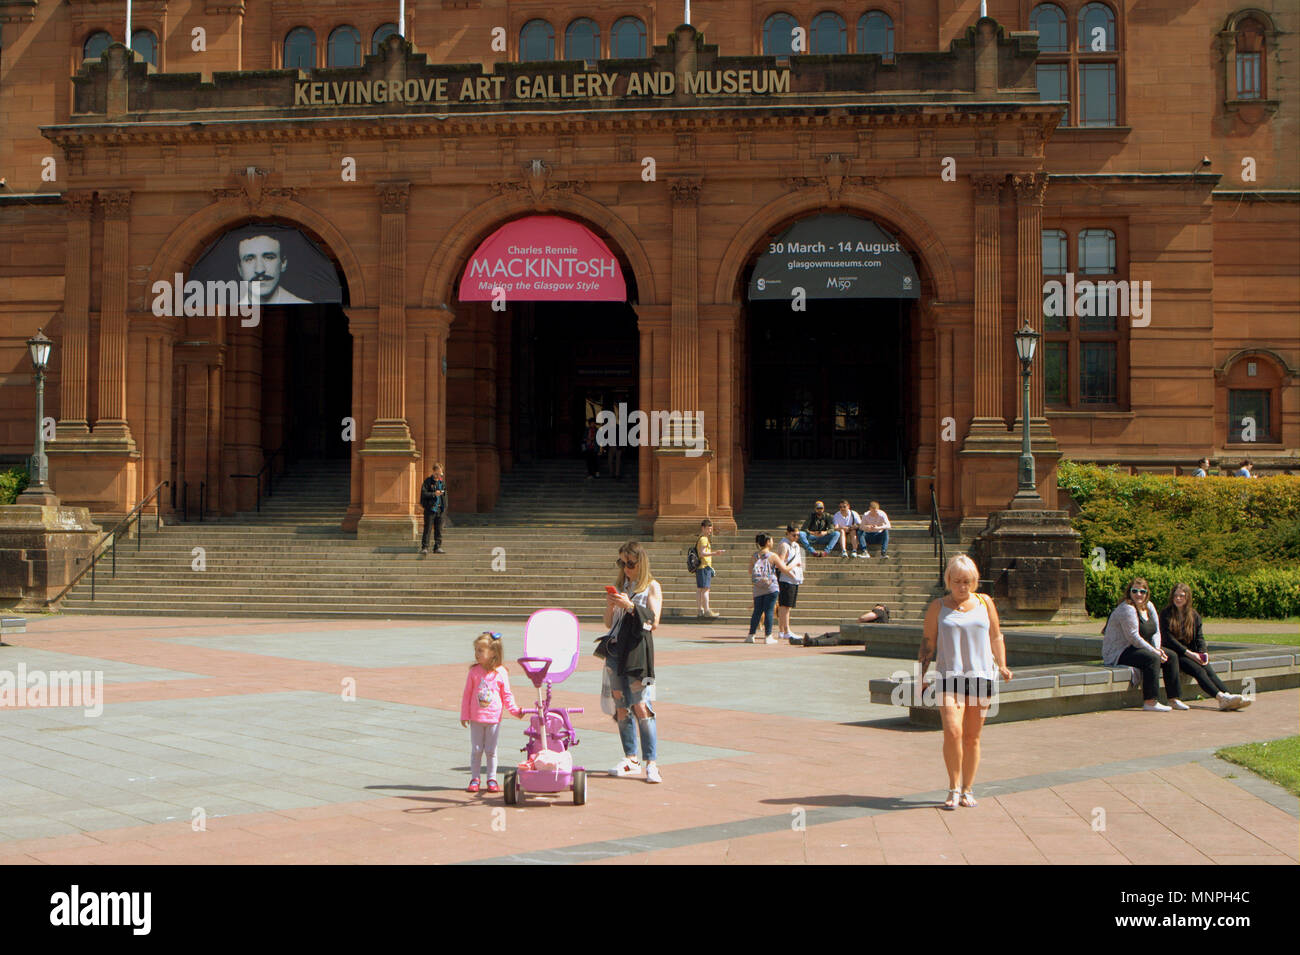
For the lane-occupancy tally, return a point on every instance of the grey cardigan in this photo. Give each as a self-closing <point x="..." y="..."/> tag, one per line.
<point x="1122" y="632"/>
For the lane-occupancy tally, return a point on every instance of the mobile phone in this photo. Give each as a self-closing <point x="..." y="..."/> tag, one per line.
<point x="611" y="589"/>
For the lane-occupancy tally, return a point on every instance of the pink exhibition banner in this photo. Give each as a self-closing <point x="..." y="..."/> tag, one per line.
<point x="543" y="259"/>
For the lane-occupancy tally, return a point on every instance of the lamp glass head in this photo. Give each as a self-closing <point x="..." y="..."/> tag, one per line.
<point x="40" y="347"/>
<point x="1026" y="343"/>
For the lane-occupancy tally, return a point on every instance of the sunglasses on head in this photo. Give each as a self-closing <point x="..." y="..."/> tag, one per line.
<point x="1139" y="591"/>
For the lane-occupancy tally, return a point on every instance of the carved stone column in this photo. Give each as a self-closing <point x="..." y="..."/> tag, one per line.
<point x="389" y="456"/>
<point x="987" y="369"/>
<point x="685" y="294"/>
<point x="1030" y="189"/>
<point x="110" y="425"/>
<point x="74" y="385"/>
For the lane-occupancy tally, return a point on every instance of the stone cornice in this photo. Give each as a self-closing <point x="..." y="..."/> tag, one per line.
<point x="957" y="118"/>
<point x="17" y="11"/>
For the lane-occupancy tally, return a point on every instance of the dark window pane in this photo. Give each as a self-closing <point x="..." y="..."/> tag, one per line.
<point x="1049" y="20"/>
<point x="536" y="41"/>
<point x="828" y="34"/>
<point x="582" y="40"/>
<point x="778" y="35"/>
<point x="1097" y="89"/>
<point x="1097" y="252"/>
<point x="300" y="49"/>
<point x="1056" y="372"/>
<point x="1252" y="405"/>
<point x="876" y="33"/>
<point x="1109" y="301"/>
<point x="382" y="34"/>
<point x="344" y="47"/>
<point x="146" y="44"/>
<point x="95" y="45"/>
<point x="1096" y="28"/>
<point x="1248" y="76"/>
<point x="1098" y="372"/>
<point x="1054" y="250"/>
<point x="627" y="39"/>
<point x="1053" y="82"/>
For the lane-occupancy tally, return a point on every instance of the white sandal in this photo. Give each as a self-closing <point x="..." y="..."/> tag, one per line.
<point x="951" y="802"/>
<point x="968" y="799"/>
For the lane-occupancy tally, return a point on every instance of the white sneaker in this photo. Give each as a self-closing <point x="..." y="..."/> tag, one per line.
<point x="628" y="767"/>
<point x="652" y="773"/>
<point x="750" y="639"/>
<point x="1237" y="702"/>
<point x="771" y="640"/>
<point x="1225" y="701"/>
<point x="1156" y="707"/>
<point x="1179" y="705"/>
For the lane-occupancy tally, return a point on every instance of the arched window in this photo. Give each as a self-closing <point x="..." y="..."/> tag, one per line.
<point x="627" y="39"/>
<point x="1253" y="382"/>
<point x="582" y="40"/>
<point x="382" y="34"/>
<point x="536" y="41"/>
<point x="146" y="44"/>
<point x="1049" y="20"/>
<point x="778" y="35"/>
<point x="1250" y="59"/>
<point x="1096" y="28"/>
<point x="876" y="33"/>
<point x="344" y="47"/>
<point x="828" y="34"/>
<point x="95" y="45"/>
<point x="300" y="49"/>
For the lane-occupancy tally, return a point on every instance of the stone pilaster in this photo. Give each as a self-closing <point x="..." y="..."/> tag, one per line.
<point x="987" y="371"/>
<point x="111" y="427"/>
<point x="1030" y="189"/>
<point x="685" y="294"/>
<point x="74" y="383"/>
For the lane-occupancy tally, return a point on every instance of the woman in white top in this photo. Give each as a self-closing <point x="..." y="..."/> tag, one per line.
<point x="963" y="636"/>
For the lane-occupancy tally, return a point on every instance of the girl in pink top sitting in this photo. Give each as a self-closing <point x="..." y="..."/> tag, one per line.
<point x="487" y="694"/>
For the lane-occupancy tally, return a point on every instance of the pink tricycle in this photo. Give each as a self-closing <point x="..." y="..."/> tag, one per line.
<point x="551" y="648"/>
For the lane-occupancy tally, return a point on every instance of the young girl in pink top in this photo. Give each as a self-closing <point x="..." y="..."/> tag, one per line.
<point x="487" y="694"/>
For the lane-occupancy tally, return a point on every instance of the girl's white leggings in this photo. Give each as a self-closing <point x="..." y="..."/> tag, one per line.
<point x="483" y="740"/>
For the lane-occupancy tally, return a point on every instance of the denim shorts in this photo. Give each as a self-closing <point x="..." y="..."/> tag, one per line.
<point x="703" y="577"/>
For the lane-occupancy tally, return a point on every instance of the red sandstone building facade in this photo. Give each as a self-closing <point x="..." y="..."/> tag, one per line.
<point x="1152" y="145"/>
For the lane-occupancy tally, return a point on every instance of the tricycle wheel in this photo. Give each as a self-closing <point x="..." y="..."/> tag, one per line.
<point x="580" y="788"/>
<point x="511" y="789"/>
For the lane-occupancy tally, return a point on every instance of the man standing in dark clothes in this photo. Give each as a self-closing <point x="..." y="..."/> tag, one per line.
<point x="433" y="498"/>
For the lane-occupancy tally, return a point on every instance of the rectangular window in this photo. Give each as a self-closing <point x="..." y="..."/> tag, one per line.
<point x="1097" y="106"/>
<point x="1097" y="252"/>
<point x="1098" y="373"/>
<point x="1245" y="408"/>
<point x="1056" y="369"/>
<point x="846" y="416"/>
<point x="1248" y="75"/>
<point x="1054" y="83"/>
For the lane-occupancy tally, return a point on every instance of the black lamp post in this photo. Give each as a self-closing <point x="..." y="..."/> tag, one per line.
<point x="1027" y="487"/>
<point x="38" y="470"/>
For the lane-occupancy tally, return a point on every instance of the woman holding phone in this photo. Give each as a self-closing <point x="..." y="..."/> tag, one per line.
<point x="629" y="674"/>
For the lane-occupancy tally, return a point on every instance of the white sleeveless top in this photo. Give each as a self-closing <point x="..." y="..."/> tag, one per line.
<point x="964" y="648"/>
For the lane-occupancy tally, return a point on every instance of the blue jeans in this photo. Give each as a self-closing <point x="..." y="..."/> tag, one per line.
<point x="764" y="605"/>
<point x="826" y="542"/>
<point x="868" y="537"/>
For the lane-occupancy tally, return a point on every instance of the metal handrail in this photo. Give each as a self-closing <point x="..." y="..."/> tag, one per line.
<point x="96" y="553"/>
<point x="936" y="533"/>
<point x="270" y="474"/>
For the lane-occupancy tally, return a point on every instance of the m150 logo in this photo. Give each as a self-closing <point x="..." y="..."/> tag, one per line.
<point x="841" y="282"/>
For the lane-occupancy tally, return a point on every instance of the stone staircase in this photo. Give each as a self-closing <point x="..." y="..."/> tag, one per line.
<point x="552" y="541"/>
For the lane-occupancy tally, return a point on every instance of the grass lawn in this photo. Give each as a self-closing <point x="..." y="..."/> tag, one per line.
<point x="1285" y="639"/>
<point x="1278" y="761"/>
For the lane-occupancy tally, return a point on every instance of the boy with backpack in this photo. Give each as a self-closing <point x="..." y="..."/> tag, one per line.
<point x="699" y="560"/>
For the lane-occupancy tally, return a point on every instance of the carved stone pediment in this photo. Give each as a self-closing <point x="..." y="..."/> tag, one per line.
<point x="834" y="177"/>
<point x="253" y="189"/>
<point x="536" y="184"/>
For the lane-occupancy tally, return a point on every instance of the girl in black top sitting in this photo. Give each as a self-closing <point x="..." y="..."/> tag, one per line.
<point x="1180" y="627"/>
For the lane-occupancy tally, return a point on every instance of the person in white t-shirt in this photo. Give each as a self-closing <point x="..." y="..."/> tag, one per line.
<point x="874" y="529"/>
<point x="845" y="520"/>
<point x="792" y="554"/>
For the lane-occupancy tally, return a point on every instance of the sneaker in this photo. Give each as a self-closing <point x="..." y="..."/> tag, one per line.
<point x="1179" y="705"/>
<point x="750" y="638"/>
<point x="652" y="773"/>
<point x="712" y="614"/>
<point x="1225" y="701"/>
<point x="1156" y="707"/>
<point x="866" y="555"/>
<point x="472" y="787"/>
<point x="770" y="639"/>
<point x="439" y="550"/>
<point x="424" y="550"/>
<point x="628" y="767"/>
<point x="492" y="786"/>
<point x="1235" y="701"/>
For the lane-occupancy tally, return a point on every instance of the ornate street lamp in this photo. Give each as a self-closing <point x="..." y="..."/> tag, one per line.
<point x="38" y="470"/>
<point x="1027" y="489"/>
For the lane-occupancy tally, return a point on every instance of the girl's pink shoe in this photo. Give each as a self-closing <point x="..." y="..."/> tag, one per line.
<point x="472" y="787"/>
<point x="493" y="787"/>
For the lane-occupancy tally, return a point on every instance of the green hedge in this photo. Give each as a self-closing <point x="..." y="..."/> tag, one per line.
<point x="1232" y="525"/>
<point x="1266" y="592"/>
<point x="12" y="483"/>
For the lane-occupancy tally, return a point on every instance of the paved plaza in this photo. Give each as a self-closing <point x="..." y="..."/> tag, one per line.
<point x="281" y="741"/>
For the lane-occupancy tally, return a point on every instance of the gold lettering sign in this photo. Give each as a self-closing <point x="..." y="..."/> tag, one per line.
<point x="546" y="87"/>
